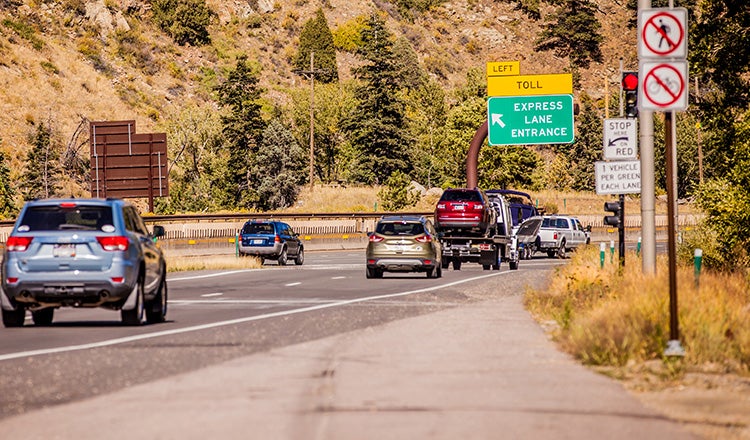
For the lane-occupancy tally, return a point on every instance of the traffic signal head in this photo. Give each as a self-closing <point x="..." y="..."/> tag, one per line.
<point x="616" y="209"/>
<point x="630" y="87"/>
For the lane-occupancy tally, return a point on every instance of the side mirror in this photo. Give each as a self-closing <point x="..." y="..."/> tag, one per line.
<point x="588" y="228"/>
<point x="158" y="231"/>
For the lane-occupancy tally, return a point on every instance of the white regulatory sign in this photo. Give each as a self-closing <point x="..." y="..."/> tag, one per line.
<point x="618" y="177"/>
<point x="663" y="86"/>
<point x="620" y="139"/>
<point x="662" y="33"/>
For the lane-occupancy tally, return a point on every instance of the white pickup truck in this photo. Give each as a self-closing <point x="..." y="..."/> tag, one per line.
<point x="559" y="234"/>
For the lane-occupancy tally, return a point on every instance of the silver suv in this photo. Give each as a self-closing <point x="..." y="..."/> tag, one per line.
<point x="82" y="253"/>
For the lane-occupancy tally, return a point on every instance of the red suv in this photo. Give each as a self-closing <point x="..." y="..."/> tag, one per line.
<point x="464" y="210"/>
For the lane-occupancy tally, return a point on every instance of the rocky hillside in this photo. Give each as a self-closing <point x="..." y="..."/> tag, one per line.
<point x="66" y="61"/>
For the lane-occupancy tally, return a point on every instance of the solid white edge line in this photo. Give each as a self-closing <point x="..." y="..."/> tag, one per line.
<point x="134" y="338"/>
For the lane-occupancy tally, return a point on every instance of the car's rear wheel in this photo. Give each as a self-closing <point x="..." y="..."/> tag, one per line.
<point x="14" y="318"/>
<point x="445" y="263"/>
<point x="456" y="264"/>
<point x="282" y="257"/>
<point x="135" y="315"/>
<point x="300" y="257"/>
<point x="430" y="273"/>
<point x="438" y="271"/>
<point x="156" y="311"/>
<point x="561" y="251"/>
<point x="43" y="316"/>
<point x="551" y="254"/>
<point x="486" y="266"/>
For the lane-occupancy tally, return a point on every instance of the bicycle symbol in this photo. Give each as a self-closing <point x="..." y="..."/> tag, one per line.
<point x="664" y="82"/>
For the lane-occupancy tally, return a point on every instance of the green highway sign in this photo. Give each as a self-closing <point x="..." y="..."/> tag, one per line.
<point x="526" y="120"/>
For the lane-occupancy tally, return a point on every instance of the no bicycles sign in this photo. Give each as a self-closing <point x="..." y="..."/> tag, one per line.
<point x="664" y="86"/>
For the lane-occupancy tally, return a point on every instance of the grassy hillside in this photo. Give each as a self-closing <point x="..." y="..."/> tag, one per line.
<point x="66" y="62"/>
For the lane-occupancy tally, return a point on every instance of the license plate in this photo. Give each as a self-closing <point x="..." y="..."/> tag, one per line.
<point x="64" y="250"/>
<point x="257" y="241"/>
<point x="459" y="207"/>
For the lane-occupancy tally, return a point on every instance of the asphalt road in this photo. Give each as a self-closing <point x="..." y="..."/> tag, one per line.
<point x="234" y="332"/>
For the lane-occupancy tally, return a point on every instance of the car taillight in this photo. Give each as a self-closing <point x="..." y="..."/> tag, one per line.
<point x="441" y="206"/>
<point x="423" y="238"/>
<point x="277" y="239"/>
<point x="478" y="206"/>
<point x="376" y="238"/>
<point x="114" y="243"/>
<point x="11" y="280"/>
<point x="18" y="244"/>
<point x="555" y="235"/>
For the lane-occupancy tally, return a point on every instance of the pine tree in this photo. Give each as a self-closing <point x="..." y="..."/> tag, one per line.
<point x="243" y="131"/>
<point x="279" y="168"/>
<point x="316" y="37"/>
<point x="377" y="126"/>
<point x="42" y="175"/>
<point x="587" y="148"/>
<point x="7" y="193"/>
<point x="573" y="31"/>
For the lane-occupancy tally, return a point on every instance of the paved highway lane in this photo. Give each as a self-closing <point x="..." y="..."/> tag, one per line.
<point x="217" y="316"/>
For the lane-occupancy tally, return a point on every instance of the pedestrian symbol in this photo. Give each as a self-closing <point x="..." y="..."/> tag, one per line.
<point x="662" y="33"/>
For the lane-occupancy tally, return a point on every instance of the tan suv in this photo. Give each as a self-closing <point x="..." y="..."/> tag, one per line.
<point x="404" y="244"/>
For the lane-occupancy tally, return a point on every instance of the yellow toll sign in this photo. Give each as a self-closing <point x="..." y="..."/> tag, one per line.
<point x="526" y="85"/>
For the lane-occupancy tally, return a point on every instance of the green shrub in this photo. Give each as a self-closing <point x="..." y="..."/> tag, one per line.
<point x="396" y="194"/>
<point x="186" y="21"/>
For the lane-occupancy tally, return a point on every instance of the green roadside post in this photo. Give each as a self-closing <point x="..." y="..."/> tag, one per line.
<point x="638" y="248"/>
<point x="237" y="244"/>
<point x="697" y="260"/>
<point x="611" y="251"/>
<point x="602" y="252"/>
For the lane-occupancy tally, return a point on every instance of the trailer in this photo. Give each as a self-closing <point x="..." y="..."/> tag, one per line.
<point x="488" y="250"/>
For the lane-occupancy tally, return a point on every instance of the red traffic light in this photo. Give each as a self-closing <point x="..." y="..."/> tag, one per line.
<point x="630" y="81"/>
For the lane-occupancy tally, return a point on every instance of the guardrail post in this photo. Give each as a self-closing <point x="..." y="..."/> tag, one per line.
<point x="697" y="259"/>
<point x="602" y="252"/>
<point x="611" y="251"/>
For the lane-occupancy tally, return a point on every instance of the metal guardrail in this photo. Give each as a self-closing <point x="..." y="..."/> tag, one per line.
<point x="198" y="226"/>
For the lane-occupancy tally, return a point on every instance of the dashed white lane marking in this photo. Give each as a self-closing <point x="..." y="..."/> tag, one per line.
<point x="338" y="278"/>
<point x="209" y="295"/>
<point x="292" y="284"/>
<point x="177" y="331"/>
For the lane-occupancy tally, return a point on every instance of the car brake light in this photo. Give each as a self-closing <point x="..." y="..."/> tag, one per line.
<point x="376" y="238"/>
<point x="555" y="235"/>
<point x="67" y="205"/>
<point x="12" y="280"/>
<point x="114" y="243"/>
<point x="277" y="239"/>
<point x="18" y="244"/>
<point x="428" y="262"/>
<point x="423" y="239"/>
<point x="441" y="206"/>
<point x="479" y="206"/>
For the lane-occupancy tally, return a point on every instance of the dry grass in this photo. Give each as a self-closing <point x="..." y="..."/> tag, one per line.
<point x="604" y="317"/>
<point x="214" y="262"/>
<point x="327" y="198"/>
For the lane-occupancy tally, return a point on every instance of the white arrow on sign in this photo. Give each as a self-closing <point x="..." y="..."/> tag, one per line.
<point x="496" y="120"/>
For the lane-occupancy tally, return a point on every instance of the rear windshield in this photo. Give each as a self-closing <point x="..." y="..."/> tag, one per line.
<point x="463" y="196"/>
<point x="55" y="218"/>
<point x="555" y="223"/>
<point x="258" y="228"/>
<point x="401" y="228"/>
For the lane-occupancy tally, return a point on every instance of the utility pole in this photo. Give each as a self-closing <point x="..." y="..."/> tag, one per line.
<point x="311" y="75"/>
<point x="312" y="121"/>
